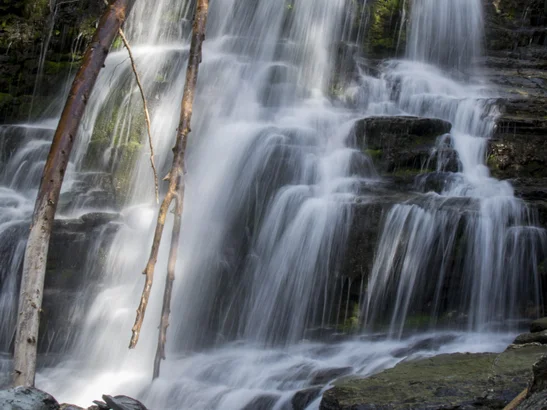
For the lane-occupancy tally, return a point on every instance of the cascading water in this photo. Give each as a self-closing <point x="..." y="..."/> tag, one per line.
<point x="270" y="186"/>
<point x="490" y="237"/>
<point x="446" y="33"/>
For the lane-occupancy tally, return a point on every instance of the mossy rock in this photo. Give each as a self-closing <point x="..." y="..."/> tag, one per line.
<point x="400" y="146"/>
<point x="463" y="380"/>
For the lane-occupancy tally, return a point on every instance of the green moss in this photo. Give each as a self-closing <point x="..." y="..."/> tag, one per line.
<point x="417" y="321"/>
<point x="122" y="130"/>
<point x="410" y="172"/>
<point x="5" y="99"/>
<point x="352" y="323"/>
<point x="117" y="44"/>
<point x="35" y="9"/>
<point x="385" y="16"/>
<point x="58" y="67"/>
<point x="444" y="381"/>
<point x="374" y="153"/>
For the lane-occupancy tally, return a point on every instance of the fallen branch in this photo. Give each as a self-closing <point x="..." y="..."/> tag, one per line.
<point x="166" y="308"/>
<point x="517" y="400"/>
<point x="175" y="191"/>
<point x="34" y="267"/>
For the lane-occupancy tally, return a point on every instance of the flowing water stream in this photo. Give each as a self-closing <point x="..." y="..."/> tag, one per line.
<point x="271" y="180"/>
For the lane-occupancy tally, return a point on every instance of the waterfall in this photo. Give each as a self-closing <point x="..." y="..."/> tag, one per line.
<point x="492" y="243"/>
<point x="272" y="181"/>
<point x="446" y="33"/>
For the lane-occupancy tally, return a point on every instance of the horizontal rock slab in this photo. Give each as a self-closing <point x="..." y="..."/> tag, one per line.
<point x="396" y="144"/>
<point x="463" y="380"/>
<point x="526" y="338"/>
<point x="518" y="147"/>
<point x="538" y="325"/>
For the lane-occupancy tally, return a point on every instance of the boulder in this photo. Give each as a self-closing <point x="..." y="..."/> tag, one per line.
<point x="539" y="382"/>
<point x="399" y="145"/>
<point x="463" y="380"/>
<point x="324" y="376"/>
<point x="526" y="338"/>
<point x="262" y="402"/>
<point x="538" y="325"/>
<point x="536" y="397"/>
<point x="303" y="398"/>
<point x="27" y="398"/>
<point x="123" y="403"/>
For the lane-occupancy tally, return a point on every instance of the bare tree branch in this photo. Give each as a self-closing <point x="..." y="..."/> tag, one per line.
<point x="176" y="190"/>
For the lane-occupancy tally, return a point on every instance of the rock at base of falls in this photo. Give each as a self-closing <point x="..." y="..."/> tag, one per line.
<point x="120" y="403"/>
<point x="527" y="338"/>
<point x="538" y="325"/>
<point x="467" y="381"/>
<point x="66" y="406"/>
<point x="537" y="392"/>
<point x="303" y="398"/>
<point x="26" y="398"/>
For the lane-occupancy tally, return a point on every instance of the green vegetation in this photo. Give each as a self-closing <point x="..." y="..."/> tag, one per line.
<point x="385" y="24"/>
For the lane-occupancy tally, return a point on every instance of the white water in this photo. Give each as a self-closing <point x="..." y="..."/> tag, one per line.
<point x="267" y="209"/>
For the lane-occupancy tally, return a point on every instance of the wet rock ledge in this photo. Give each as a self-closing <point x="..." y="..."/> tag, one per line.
<point x="455" y="381"/>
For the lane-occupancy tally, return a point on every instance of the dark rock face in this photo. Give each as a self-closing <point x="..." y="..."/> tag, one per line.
<point x="262" y="403"/>
<point x="26" y="26"/>
<point x="324" y="376"/>
<point x="399" y="143"/>
<point x="518" y="147"/>
<point x="536" y="398"/>
<point x="303" y="398"/>
<point x="539" y="382"/>
<point x="466" y="381"/>
<point x="517" y="62"/>
<point x="26" y="398"/>
<point x="75" y="260"/>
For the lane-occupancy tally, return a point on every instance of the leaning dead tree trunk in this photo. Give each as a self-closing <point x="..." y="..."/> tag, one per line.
<point x="34" y="268"/>
<point x="175" y="192"/>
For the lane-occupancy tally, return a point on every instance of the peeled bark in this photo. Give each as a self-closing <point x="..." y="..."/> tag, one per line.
<point x="34" y="268"/>
<point x="175" y="191"/>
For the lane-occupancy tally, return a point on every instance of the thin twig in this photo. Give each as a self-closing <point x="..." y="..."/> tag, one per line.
<point x="146" y="114"/>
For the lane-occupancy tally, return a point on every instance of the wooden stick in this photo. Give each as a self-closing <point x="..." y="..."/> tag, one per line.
<point x="517" y="400"/>
<point x="176" y="186"/>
